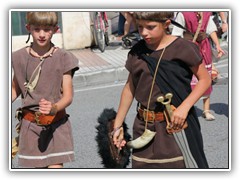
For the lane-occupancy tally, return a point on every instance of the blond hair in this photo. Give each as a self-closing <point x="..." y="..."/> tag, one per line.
<point x="42" y="18"/>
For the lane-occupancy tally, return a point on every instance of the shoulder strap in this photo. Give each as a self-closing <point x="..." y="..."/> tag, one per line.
<point x="199" y="27"/>
<point x="178" y="25"/>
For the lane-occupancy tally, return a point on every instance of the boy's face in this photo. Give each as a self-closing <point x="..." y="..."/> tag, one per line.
<point x="151" y="31"/>
<point x="42" y="35"/>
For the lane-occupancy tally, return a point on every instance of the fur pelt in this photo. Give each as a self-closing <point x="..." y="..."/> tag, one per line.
<point x="105" y="119"/>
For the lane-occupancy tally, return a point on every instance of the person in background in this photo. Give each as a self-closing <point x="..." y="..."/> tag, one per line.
<point x="190" y="20"/>
<point x="224" y="21"/>
<point x="129" y="21"/>
<point x="121" y="22"/>
<point x="221" y="35"/>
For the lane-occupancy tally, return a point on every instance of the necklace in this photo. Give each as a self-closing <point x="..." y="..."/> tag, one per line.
<point x="47" y="54"/>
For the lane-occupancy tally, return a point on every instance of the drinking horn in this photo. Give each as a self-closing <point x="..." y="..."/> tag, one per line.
<point x="142" y="141"/>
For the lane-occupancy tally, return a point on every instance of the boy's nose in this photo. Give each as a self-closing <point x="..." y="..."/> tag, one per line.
<point x="144" y="32"/>
<point x="41" y="33"/>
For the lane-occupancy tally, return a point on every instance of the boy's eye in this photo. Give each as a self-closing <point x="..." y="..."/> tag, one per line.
<point x="37" y="29"/>
<point x="150" y="27"/>
<point x="46" y="29"/>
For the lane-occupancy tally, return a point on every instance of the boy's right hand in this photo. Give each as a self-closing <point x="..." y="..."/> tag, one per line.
<point x="118" y="138"/>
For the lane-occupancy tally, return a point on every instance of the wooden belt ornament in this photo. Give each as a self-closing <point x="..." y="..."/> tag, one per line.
<point x="166" y="100"/>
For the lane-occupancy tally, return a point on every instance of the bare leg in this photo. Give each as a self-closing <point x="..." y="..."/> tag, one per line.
<point x="127" y="25"/>
<point x="206" y="103"/>
<point x="56" y="166"/>
<point x="215" y="73"/>
<point x="206" y="109"/>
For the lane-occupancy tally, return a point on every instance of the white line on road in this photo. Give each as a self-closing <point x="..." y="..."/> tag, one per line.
<point x="99" y="87"/>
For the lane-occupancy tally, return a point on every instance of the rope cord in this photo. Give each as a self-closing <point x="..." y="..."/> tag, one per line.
<point x="151" y="90"/>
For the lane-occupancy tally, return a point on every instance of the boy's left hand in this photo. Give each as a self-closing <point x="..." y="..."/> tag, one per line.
<point x="178" y="118"/>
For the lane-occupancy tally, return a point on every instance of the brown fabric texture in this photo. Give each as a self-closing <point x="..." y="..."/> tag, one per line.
<point x="50" y="80"/>
<point x="163" y="146"/>
<point x="40" y="146"/>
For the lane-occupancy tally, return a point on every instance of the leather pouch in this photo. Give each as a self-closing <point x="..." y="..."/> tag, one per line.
<point x="189" y="36"/>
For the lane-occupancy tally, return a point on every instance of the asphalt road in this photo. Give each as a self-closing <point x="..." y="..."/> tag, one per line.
<point x="90" y="101"/>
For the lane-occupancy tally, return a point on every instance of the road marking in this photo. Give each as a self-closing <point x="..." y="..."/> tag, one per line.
<point x="99" y="87"/>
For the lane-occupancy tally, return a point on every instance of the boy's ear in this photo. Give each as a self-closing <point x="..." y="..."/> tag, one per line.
<point x="167" y="23"/>
<point x="27" y="27"/>
<point x="56" y="28"/>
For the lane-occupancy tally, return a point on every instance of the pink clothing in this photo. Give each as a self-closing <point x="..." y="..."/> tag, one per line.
<point x="191" y="21"/>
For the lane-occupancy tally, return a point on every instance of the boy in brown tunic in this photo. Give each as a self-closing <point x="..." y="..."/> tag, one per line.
<point x="43" y="77"/>
<point x="180" y="59"/>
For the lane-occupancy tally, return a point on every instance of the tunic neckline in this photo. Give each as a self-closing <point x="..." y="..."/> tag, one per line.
<point x="163" y="47"/>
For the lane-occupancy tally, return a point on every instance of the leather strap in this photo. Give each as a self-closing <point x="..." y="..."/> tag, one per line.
<point x="151" y="115"/>
<point x="199" y="26"/>
<point x="42" y="119"/>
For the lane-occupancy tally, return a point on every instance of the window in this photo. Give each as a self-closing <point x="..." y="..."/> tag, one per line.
<point x="18" y="20"/>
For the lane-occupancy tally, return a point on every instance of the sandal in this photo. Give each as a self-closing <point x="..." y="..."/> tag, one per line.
<point x="208" y="115"/>
<point x="215" y="74"/>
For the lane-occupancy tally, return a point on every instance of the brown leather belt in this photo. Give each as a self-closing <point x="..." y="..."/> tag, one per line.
<point x="150" y="115"/>
<point x="42" y="119"/>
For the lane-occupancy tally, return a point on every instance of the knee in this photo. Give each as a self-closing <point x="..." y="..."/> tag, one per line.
<point x="55" y="166"/>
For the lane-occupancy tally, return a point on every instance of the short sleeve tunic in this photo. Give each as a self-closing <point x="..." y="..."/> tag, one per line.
<point x="50" y="80"/>
<point x="178" y="50"/>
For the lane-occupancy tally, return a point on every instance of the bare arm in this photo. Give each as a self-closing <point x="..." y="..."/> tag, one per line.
<point x="204" y="81"/>
<point x="224" y="21"/>
<point x="45" y="106"/>
<point x="15" y="89"/>
<point x="214" y="37"/>
<point x="125" y="103"/>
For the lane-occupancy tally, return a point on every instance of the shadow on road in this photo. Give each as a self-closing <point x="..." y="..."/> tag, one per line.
<point x="218" y="108"/>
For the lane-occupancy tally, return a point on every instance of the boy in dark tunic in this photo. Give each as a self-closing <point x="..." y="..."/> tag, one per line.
<point x="43" y="77"/>
<point x="180" y="59"/>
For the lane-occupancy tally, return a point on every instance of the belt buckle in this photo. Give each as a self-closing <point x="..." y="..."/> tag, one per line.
<point x="145" y="112"/>
<point x="37" y="115"/>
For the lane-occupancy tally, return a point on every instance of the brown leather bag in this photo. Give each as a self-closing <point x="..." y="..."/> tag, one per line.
<point x="189" y="36"/>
